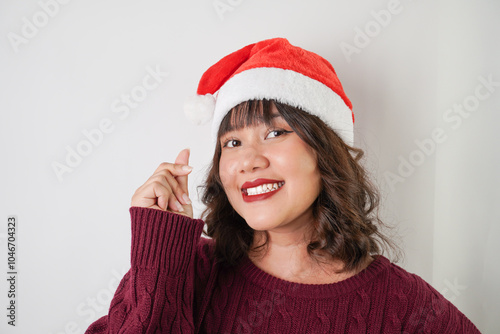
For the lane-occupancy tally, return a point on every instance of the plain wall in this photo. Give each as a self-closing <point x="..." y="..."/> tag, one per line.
<point x="429" y="133"/>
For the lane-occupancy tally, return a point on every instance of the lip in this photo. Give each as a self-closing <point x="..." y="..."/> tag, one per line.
<point x="257" y="183"/>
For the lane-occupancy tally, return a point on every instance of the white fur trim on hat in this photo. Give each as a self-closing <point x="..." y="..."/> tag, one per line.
<point x="289" y="87"/>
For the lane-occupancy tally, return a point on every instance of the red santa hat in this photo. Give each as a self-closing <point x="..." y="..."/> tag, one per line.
<point x="273" y="69"/>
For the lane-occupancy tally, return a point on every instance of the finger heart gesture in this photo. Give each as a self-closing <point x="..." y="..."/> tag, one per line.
<point x="167" y="188"/>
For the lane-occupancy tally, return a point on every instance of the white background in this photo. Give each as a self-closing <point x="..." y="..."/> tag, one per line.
<point x="62" y="74"/>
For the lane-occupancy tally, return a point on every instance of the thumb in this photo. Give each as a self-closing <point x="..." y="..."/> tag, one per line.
<point x="183" y="159"/>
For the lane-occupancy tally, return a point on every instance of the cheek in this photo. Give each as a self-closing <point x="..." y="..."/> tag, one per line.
<point x="226" y="174"/>
<point x="298" y="159"/>
<point x="224" y="178"/>
<point x="226" y="170"/>
<point x="308" y="170"/>
<point x="310" y="162"/>
<point x="315" y="176"/>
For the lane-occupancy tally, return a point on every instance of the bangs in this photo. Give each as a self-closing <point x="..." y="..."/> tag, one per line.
<point x="248" y="113"/>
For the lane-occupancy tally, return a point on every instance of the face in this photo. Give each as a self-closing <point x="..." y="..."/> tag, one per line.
<point x="270" y="176"/>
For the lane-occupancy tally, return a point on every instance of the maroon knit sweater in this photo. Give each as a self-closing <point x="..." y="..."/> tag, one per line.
<point x="175" y="286"/>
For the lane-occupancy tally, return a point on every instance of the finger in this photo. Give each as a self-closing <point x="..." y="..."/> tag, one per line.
<point x="183" y="159"/>
<point x="162" y="190"/>
<point x="169" y="183"/>
<point x="174" y="169"/>
<point x="163" y="194"/>
<point x="165" y="197"/>
<point x="152" y="194"/>
<point x="175" y="187"/>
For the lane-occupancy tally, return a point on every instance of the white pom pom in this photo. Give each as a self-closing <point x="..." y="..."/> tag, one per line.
<point x="200" y="108"/>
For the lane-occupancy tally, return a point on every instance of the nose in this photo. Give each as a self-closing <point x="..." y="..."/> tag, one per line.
<point x="252" y="159"/>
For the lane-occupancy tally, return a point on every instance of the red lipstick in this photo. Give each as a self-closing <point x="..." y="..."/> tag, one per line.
<point x="256" y="183"/>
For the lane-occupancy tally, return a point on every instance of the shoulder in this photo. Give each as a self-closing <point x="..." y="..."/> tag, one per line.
<point x="421" y="306"/>
<point x="414" y="289"/>
<point x="408" y="282"/>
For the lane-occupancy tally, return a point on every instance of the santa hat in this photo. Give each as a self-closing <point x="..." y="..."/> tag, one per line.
<point x="273" y="69"/>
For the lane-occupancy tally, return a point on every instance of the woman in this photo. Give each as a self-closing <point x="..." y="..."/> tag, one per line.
<point x="295" y="243"/>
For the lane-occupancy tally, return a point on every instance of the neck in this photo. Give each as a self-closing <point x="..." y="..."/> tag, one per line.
<point x="286" y="257"/>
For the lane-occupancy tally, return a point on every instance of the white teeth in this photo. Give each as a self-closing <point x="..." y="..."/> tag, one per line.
<point x="264" y="188"/>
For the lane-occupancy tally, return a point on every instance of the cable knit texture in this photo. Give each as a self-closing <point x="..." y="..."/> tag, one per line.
<point x="175" y="286"/>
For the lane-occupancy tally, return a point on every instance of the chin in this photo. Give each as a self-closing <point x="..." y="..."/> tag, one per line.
<point x="264" y="224"/>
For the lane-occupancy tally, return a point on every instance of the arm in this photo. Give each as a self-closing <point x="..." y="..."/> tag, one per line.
<point x="156" y="295"/>
<point x="433" y="313"/>
<point x="157" y="292"/>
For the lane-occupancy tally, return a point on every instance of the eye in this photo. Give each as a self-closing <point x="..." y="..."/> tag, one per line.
<point x="277" y="133"/>
<point x="231" y="143"/>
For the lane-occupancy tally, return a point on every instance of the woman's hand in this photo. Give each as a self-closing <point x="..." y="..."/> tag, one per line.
<point x="167" y="188"/>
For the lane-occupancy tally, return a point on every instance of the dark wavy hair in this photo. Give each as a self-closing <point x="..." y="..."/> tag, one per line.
<point x="346" y="223"/>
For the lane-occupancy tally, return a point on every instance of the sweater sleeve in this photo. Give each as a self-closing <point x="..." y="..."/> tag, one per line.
<point x="443" y="317"/>
<point x="430" y="311"/>
<point x="156" y="294"/>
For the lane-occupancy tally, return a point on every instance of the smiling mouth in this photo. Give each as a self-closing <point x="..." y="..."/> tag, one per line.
<point x="262" y="189"/>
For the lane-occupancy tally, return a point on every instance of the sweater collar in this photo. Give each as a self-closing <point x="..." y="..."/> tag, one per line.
<point x="315" y="291"/>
